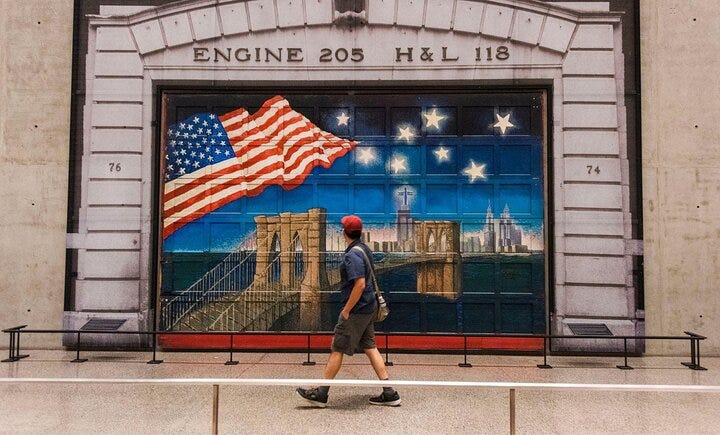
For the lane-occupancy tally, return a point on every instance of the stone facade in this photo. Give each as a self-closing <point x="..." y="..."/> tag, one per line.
<point x="577" y="53"/>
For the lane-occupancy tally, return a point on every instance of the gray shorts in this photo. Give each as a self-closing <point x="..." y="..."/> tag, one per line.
<point x="355" y="334"/>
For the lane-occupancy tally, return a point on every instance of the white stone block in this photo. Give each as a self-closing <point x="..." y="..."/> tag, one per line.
<point x="589" y="89"/>
<point x="148" y="36"/>
<point x="410" y="12"/>
<point x="585" y="6"/>
<point x="114" y="193"/>
<point x="594" y="245"/>
<point x="527" y="27"/>
<point x="593" y="196"/>
<point x="556" y="34"/>
<point x="115" y="166"/>
<point x="118" y="64"/>
<point x="177" y="30"/>
<point x="592" y="169"/>
<point x="318" y="12"/>
<point x="108" y="264"/>
<point x="261" y="14"/>
<point x="589" y="63"/>
<point x="117" y="115"/>
<point x="107" y="295"/>
<point x="497" y="21"/>
<point x="468" y="16"/>
<point x="381" y="12"/>
<point x="591" y="142"/>
<point x="438" y="15"/>
<point x="116" y="139"/>
<point x="109" y="241"/>
<point x="594" y="36"/>
<point x="598" y="223"/>
<point x="290" y="13"/>
<point x="117" y="89"/>
<point x="122" y="10"/>
<point x="596" y="301"/>
<point x="113" y="219"/>
<point x="594" y="270"/>
<point x="205" y="23"/>
<point x="234" y="18"/>
<point x="590" y="116"/>
<point x="114" y="39"/>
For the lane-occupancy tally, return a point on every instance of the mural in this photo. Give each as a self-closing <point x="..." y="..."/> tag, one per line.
<point x="450" y="186"/>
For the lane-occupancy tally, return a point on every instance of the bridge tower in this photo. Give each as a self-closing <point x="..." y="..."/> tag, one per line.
<point x="301" y="237"/>
<point x="439" y="243"/>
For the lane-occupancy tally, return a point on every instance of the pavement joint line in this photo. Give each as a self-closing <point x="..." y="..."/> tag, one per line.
<point x="365" y="383"/>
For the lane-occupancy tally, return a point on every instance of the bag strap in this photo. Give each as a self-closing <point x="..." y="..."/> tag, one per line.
<point x="372" y="271"/>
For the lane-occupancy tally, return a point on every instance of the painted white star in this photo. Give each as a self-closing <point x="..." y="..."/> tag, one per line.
<point x="366" y="155"/>
<point x="398" y="164"/>
<point x="196" y="120"/>
<point x="433" y="119"/>
<point x="442" y="153"/>
<point x="406" y="133"/>
<point x="475" y="171"/>
<point x="503" y="123"/>
<point x="343" y="119"/>
<point x="212" y="116"/>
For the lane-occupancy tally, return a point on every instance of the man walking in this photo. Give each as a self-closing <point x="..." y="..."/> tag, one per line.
<point x="355" y="327"/>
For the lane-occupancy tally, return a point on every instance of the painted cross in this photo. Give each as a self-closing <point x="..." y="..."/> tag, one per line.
<point x="405" y="193"/>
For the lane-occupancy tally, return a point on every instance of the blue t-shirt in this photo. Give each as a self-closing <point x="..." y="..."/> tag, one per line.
<point x="352" y="268"/>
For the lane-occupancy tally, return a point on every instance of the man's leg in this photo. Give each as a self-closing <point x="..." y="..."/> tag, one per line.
<point x="377" y="362"/>
<point x="333" y="365"/>
<point x="389" y="396"/>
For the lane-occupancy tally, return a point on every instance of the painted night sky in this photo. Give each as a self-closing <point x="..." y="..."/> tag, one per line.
<point x="444" y="157"/>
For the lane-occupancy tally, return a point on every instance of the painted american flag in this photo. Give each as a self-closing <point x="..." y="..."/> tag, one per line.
<point x="213" y="160"/>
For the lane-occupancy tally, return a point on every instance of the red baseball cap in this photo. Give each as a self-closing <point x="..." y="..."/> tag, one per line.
<point x="351" y="223"/>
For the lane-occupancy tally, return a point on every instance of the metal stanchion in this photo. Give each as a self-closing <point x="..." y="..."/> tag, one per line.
<point x="545" y="365"/>
<point x="154" y="360"/>
<point x="625" y="366"/>
<point x="465" y="363"/>
<point x="308" y="362"/>
<point x="11" y="348"/>
<point x="387" y="352"/>
<point x="231" y="362"/>
<point x="77" y="355"/>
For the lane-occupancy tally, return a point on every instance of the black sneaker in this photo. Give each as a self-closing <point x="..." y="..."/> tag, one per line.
<point x="392" y="399"/>
<point x="313" y="396"/>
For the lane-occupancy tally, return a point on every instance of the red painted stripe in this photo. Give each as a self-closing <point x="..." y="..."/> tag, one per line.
<point x="395" y="342"/>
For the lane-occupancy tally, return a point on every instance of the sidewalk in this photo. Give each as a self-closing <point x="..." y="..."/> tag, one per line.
<point x="93" y="408"/>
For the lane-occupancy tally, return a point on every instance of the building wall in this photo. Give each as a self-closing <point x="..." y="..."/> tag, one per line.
<point x="36" y="53"/>
<point x="681" y="156"/>
<point x="681" y="169"/>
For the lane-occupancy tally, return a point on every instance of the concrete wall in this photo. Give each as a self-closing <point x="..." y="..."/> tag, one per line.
<point x="35" y="74"/>
<point x="681" y="169"/>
